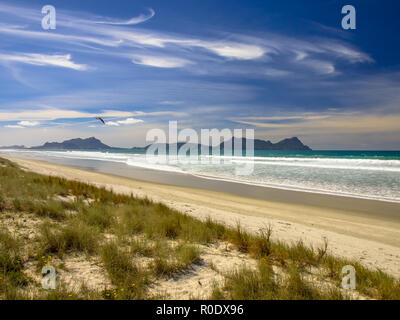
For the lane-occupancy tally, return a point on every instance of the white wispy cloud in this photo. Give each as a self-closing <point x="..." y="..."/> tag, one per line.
<point x="297" y="55"/>
<point x="290" y="117"/>
<point x="160" y="113"/>
<point x="12" y="126"/>
<point x="112" y="124"/>
<point x="120" y="37"/>
<point x="23" y="124"/>
<point x="318" y="66"/>
<point x="75" y="39"/>
<point x="28" y="123"/>
<point x="128" y="121"/>
<point x="49" y="114"/>
<point x="32" y="117"/>
<point x="327" y="124"/>
<point x="35" y="15"/>
<point x="136" y="20"/>
<point x="161" y="62"/>
<point x="52" y="114"/>
<point x="63" y="61"/>
<point x="346" y="52"/>
<point x="234" y="50"/>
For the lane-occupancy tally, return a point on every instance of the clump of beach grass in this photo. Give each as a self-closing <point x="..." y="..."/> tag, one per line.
<point x="12" y="275"/>
<point x="129" y="278"/>
<point x="264" y="284"/>
<point x="100" y="216"/>
<point x="171" y="261"/>
<point x="76" y="235"/>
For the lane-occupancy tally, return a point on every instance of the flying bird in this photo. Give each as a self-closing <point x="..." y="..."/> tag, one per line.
<point x="101" y="119"/>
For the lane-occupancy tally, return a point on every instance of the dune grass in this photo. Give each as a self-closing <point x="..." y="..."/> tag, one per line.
<point x="170" y="261"/>
<point x="76" y="235"/>
<point x="129" y="278"/>
<point x="11" y="271"/>
<point x="264" y="284"/>
<point x="120" y="230"/>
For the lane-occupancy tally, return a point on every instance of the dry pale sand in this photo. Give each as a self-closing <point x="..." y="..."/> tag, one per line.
<point x="372" y="239"/>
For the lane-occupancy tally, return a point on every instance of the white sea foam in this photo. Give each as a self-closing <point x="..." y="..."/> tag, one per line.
<point x="366" y="178"/>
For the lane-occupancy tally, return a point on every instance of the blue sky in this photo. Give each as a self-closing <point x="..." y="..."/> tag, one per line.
<point x="285" y="68"/>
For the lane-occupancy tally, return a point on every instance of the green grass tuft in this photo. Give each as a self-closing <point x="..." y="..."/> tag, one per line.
<point x="76" y="235"/>
<point x="129" y="278"/>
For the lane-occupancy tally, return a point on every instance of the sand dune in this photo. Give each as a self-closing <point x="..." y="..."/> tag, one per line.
<point x="372" y="238"/>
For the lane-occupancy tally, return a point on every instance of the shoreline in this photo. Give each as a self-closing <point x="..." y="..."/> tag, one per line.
<point x="367" y="234"/>
<point x="344" y="202"/>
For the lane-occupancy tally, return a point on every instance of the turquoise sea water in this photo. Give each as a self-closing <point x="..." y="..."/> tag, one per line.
<point x="367" y="174"/>
<point x="338" y="154"/>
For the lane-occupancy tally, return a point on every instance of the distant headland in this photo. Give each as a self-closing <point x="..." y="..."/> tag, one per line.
<point x="95" y="144"/>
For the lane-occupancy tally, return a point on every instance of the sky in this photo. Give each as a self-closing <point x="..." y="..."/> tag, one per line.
<point x="283" y="68"/>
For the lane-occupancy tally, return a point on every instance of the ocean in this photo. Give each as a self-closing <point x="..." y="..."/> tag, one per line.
<point x="363" y="174"/>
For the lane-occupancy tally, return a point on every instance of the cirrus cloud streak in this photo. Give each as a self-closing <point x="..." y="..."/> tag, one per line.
<point x="63" y="61"/>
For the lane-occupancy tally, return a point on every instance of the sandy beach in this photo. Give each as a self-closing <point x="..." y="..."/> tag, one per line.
<point x="365" y="230"/>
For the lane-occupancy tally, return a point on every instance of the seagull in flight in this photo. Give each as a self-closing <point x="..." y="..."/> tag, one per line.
<point x="101" y="119"/>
